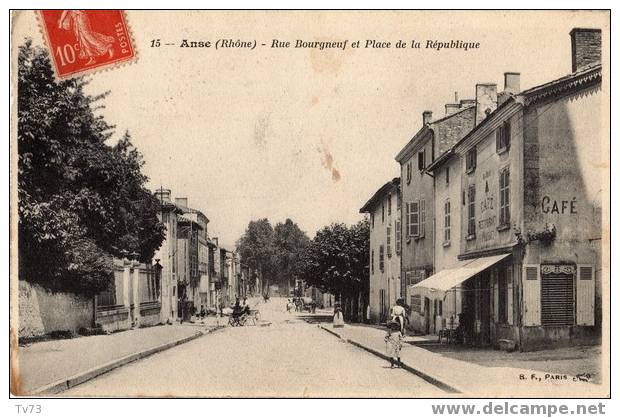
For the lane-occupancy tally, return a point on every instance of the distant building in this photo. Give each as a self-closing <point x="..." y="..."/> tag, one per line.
<point x="168" y="255"/>
<point x="384" y="211"/>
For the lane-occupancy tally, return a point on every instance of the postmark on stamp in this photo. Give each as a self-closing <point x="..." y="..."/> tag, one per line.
<point x="82" y="41"/>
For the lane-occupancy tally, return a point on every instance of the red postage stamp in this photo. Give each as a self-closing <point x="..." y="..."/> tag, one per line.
<point x="82" y="41"/>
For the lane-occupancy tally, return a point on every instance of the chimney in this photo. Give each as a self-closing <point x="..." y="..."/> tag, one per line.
<point x="163" y="195"/>
<point x="182" y="201"/>
<point x="512" y="83"/>
<point x="585" y="47"/>
<point x="466" y="103"/>
<point x="427" y="115"/>
<point x="486" y="100"/>
<point x="451" y="108"/>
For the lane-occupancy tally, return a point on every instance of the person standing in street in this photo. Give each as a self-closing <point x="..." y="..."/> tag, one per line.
<point x="393" y="343"/>
<point x="338" y="317"/>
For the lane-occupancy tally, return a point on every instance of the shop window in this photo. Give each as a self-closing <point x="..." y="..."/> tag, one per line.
<point x="416" y="303"/>
<point x="502" y="296"/>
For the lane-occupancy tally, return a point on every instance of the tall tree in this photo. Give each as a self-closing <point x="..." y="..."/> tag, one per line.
<point x="289" y="244"/>
<point x="256" y="247"/>
<point x="336" y="260"/>
<point x="80" y="199"/>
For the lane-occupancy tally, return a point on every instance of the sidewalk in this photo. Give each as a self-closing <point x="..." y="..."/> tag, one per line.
<point x="46" y="366"/>
<point x="469" y="378"/>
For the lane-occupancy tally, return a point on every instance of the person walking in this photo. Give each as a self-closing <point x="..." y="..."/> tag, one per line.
<point x="393" y="343"/>
<point x="398" y="313"/>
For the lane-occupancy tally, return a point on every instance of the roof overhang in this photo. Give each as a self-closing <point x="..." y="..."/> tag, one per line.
<point x="379" y="194"/>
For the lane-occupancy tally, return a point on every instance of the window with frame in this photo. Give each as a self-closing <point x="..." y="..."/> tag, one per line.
<point x="383" y="212"/>
<point x="447" y="176"/>
<point x="372" y="220"/>
<point x="397" y="235"/>
<point x="408" y="169"/>
<point x="416" y="303"/>
<point x="413" y="221"/>
<point x="388" y="243"/>
<point x="389" y="202"/>
<point x="471" y="211"/>
<point x="502" y="137"/>
<point x="504" y="197"/>
<point x="422" y="160"/>
<point x="422" y="218"/>
<point x="446" y="221"/>
<point x="372" y="261"/>
<point x="381" y="258"/>
<point x="470" y="160"/>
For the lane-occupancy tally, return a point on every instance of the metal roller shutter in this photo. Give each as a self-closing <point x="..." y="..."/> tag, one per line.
<point x="558" y="300"/>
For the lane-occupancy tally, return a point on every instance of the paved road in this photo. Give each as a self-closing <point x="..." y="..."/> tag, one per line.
<point x="289" y="358"/>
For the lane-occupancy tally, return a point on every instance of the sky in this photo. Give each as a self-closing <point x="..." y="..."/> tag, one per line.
<point x="305" y="134"/>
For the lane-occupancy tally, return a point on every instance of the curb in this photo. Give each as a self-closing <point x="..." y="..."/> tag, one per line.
<point x="430" y="379"/>
<point x="67" y="383"/>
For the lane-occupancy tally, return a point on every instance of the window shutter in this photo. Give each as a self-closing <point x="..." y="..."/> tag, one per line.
<point x="422" y="217"/>
<point x="531" y="294"/>
<point x="585" y="294"/>
<point x="509" y="295"/>
<point x="415" y="218"/>
<point x="407" y="220"/>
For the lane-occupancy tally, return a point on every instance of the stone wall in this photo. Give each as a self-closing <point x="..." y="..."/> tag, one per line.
<point x="41" y="312"/>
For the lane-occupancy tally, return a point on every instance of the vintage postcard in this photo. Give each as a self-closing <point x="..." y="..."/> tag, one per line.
<point x="310" y="204"/>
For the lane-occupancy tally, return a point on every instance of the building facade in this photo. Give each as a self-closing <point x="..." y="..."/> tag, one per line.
<point x="528" y="271"/>
<point x="418" y="200"/>
<point x="384" y="211"/>
<point x="167" y="255"/>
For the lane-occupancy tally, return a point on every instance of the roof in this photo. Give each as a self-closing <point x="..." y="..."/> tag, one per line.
<point x="383" y="190"/>
<point x="592" y="74"/>
<point x="183" y="219"/>
<point x="404" y="152"/>
<point x="586" y="77"/>
<point x="440" y="160"/>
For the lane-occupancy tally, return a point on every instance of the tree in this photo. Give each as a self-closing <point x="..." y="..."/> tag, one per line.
<point x="336" y="260"/>
<point x="257" y="249"/>
<point x="289" y="244"/>
<point x="81" y="200"/>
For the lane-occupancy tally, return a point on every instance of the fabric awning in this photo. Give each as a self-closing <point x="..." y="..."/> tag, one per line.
<point x="449" y="278"/>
